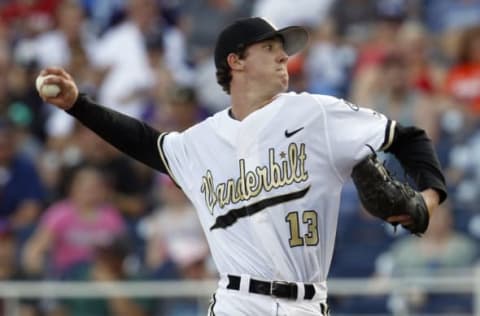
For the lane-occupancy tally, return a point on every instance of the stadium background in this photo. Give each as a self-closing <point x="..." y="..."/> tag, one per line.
<point x="417" y="61"/>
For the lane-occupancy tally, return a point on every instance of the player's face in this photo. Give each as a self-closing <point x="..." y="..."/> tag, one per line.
<point x="266" y="65"/>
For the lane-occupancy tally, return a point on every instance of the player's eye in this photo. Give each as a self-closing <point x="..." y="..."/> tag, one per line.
<point x="268" y="47"/>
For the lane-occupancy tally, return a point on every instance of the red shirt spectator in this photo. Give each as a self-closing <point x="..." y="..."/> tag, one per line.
<point x="21" y="8"/>
<point x="463" y="79"/>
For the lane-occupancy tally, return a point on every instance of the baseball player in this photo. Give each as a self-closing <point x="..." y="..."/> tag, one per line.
<point x="265" y="175"/>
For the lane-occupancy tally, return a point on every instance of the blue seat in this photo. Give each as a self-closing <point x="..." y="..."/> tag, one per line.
<point x="448" y="304"/>
<point x="359" y="305"/>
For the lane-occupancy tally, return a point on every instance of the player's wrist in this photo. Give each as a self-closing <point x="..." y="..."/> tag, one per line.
<point x="432" y="199"/>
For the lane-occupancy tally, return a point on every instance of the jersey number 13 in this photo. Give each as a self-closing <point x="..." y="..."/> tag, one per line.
<point x="308" y="218"/>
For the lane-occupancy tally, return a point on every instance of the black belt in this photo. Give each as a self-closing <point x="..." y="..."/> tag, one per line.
<point x="280" y="289"/>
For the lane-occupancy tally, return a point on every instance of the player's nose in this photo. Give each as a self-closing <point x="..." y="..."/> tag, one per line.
<point x="282" y="56"/>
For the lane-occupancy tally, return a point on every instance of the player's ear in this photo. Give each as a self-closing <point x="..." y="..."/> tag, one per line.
<point x="235" y="62"/>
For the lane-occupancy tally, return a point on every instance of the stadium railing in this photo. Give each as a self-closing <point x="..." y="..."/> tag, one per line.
<point x="12" y="292"/>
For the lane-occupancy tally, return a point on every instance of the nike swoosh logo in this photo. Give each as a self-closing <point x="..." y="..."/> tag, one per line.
<point x="290" y="134"/>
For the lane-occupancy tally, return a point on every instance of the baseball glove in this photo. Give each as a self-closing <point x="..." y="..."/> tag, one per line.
<point x="383" y="196"/>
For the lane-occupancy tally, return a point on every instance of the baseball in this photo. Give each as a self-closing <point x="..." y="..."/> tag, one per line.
<point x="46" y="90"/>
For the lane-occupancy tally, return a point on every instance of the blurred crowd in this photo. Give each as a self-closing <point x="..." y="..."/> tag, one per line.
<point x="74" y="208"/>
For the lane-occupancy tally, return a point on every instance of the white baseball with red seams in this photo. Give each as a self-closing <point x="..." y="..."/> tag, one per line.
<point x="46" y="90"/>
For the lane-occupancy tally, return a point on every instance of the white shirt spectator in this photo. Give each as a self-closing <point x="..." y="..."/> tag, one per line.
<point x="52" y="49"/>
<point x="123" y="50"/>
<point x="286" y="12"/>
<point x="209" y="92"/>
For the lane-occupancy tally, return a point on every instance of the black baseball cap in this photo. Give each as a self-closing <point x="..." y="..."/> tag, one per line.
<point x="248" y="31"/>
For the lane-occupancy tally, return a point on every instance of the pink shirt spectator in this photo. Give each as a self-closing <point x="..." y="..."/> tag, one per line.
<point x="75" y="237"/>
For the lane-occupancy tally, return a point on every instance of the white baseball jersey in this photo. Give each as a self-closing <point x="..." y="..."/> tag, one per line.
<point x="267" y="188"/>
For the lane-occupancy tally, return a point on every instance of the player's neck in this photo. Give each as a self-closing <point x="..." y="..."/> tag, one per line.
<point x="243" y="104"/>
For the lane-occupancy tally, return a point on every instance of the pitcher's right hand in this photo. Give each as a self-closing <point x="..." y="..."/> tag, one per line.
<point x="68" y="89"/>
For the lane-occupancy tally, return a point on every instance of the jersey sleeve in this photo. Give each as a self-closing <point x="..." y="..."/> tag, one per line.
<point x="173" y="153"/>
<point x="353" y="132"/>
<point x="129" y="135"/>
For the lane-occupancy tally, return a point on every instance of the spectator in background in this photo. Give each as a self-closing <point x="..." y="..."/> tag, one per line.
<point x="372" y="48"/>
<point x="392" y="94"/>
<point x="450" y="15"/>
<point x="353" y="17"/>
<point x="463" y="79"/>
<point x="24" y="108"/>
<point x="71" y="228"/>
<point x="68" y="45"/>
<point x="203" y="18"/>
<point x="176" y="246"/>
<point x="107" y="265"/>
<point x="425" y="72"/>
<point x="27" y="16"/>
<point x="103" y="14"/>
<point x="128" y="190"/>
<point x="21" y="191"/>
<point x="10" y="271"/>
<point x="181" y="110"/>
<point x="285" y="12"/>
<point x="464" y="175"/>
<point x="59" y="46"/>
<point x="19" y="100"/>
<point x="191" y="258"/>
<point x="461" y="122"/>
<point x="129" y="76"/>
<point x="167" y="228"/>
<point x="4" y="44"/>
<point x="442" y="250"/>
<point x="329" y="62"/>
<point x="130" y="182"/>
<point x="446" y="21"/>
<point x="209" y="93"/>
<point x="163" y="78"/>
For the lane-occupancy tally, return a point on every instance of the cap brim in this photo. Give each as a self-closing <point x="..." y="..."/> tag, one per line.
<point x="295" y="38"/>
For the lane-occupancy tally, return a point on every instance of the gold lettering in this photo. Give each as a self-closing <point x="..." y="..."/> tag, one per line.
<point x="292" y="159"/>
<point x="208" y="189"/>
<point x="254" y="184"/>
<point x="242" y="188"/>
<point x="275" y="170"/>
<point x="302" y="157"/>
<point x="288" y="172"/>
<point x="250" y="184"/>
<point x="262" y="173"/>
<point x="231" y="192"/>
<point x="222" y="199"/>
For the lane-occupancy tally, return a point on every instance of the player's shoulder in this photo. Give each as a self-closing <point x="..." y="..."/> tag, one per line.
<point x="311" y="101"/>
<point x="310" y="98"/>
<point x="327" y="105"/>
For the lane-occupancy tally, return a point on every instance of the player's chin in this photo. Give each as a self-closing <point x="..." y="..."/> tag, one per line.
<point x="284" y="83"/>
<point x="280" y="88"/>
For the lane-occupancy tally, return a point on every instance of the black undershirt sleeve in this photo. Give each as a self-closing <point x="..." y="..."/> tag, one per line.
<point x="415" y="151"/>
<point x="129" y="135"/>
